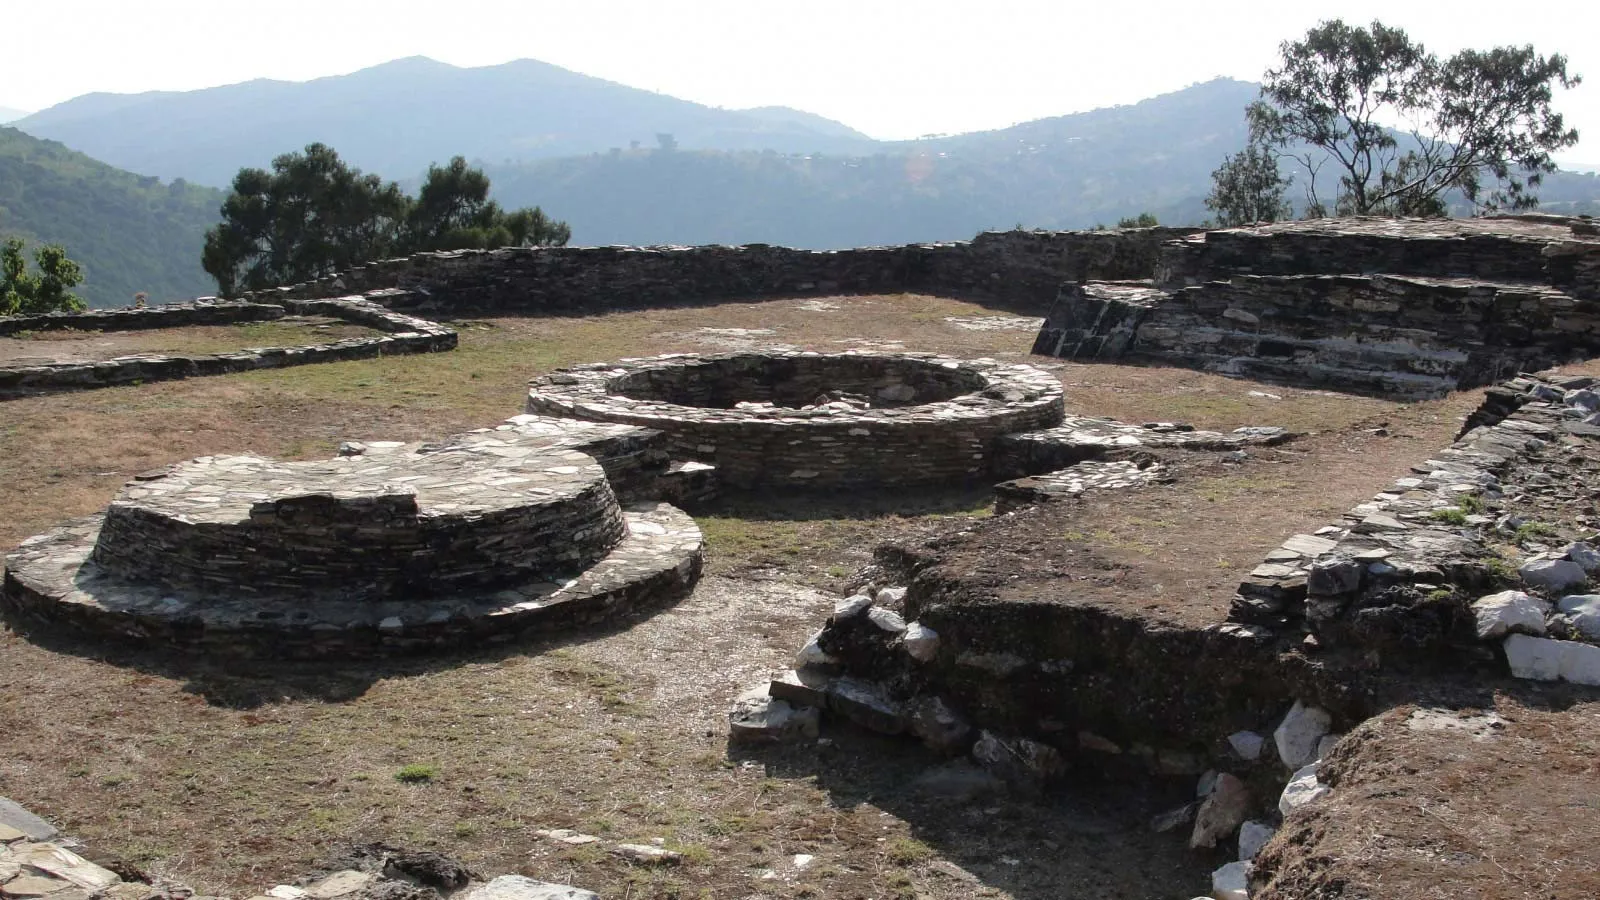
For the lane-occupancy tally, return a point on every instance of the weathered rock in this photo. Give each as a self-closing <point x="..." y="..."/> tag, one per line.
<point x="26" y="822"/>
<point x="59" y="862"/>
<point x="866" y="704"/>
<point x="802" y="687"/>
<point x="1553" y="575"/>
<point x="517" y="887"/>
<point x="1247" y="744"/>
<point x="1500" y="614"/>
<point x="886" y="619"/>
<point x="1021" y="762"/>
<point x="1334" y="576"/>
<point x="852" y="606"/>
<point x="812" y="656"/>
<point x="1534" y="658"/>
<point x="921" y="643"/>
<point x="1252" y="837"/>
<point x="891" y="596"/>
<point x="939" y="726"/>
<point x="646" y="854"/>
<point x="1297" y="736"/>
<point x="1583" y="611"/>
<point x="340" y="884"/>
<point x="1223" y="810"/>
<point x="1303" y="788"/>
<point x="1326" y="745"/>
<point x="1584" y="554"/>
<point x="1231" y="882"/>
<point x="758" y="717"/>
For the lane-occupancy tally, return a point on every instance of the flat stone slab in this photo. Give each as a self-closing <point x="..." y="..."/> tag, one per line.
<point x="34" y="828"/>
<point x="51" y="579"/>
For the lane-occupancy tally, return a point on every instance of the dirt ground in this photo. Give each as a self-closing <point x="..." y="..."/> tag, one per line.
<point x="90" y="346"/>
<point x="1487" y="796"/>
<point x="233" y="778"/>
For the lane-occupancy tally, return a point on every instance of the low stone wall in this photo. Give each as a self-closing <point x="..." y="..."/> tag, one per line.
<point x="875" y="440"/>
<point x="393" y="548"/>
<point x="1481" y="545"/>
<point x="406" y="334"/>
<point x="1574" y="266"/>
<point x="1493" y="249"/>
<point x="1021" y="267"/>
<point x="1459" y="304"/>
<point x="134" y="318"/>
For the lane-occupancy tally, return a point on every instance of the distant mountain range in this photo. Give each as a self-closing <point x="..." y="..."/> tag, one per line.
<point x="620" y="165"/>
<point x="398" y="117"/>
<point x="7" y="114"/>
<point x="129" y="232"/>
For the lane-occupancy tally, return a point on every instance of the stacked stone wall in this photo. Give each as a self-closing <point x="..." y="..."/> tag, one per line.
<point x="910" y="429"/>
<point x="136" y="318"/>
<point x="1021" y="267"/>
<point x="405" y="334"/>
<point x="1408" y="308"/>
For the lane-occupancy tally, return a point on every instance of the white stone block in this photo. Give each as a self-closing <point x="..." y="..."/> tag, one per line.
<point x="1580" y="663"/>
<point x="1533" y="657"/>
<point x="1509" y="611"/>
<point x="1299" y="733"/>
<point x="1303" y="788"/>
<point x="1253" y="836"/>
<point x="1231" y="882"/>
<point x="920" y="641"/>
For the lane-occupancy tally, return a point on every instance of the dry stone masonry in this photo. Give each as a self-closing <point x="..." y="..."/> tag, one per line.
<point x="387" y="549"/>
<point x="1409" y="308"/>
<point x="1025" y="268"/>
<point x="803" y="419"/>
<point x="404" y="334"/>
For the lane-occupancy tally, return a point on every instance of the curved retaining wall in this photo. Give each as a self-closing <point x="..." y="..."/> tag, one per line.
<point x="944" y="439"/>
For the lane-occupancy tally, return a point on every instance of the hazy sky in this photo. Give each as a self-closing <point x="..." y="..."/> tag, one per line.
<point x="891" y="69"/>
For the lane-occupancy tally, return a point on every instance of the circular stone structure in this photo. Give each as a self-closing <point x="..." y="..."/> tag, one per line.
<point x="827" y="420"/>
<point x="363" y="555"/>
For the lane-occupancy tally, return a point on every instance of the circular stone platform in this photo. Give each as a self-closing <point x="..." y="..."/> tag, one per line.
<point x="356" y="556"/>
<point x="794" y="418"/>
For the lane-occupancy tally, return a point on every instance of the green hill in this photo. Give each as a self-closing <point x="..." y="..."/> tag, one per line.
<point x="129" y="232"/>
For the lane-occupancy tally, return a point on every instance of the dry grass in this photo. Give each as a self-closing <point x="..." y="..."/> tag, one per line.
<point x="196" y="340"/>
<point x="235" y="778"/>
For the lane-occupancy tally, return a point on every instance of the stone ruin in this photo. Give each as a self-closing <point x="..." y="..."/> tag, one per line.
<point x="1407" y="308"/>
<point x="818" y="420"/>
<point x="391" y="548"/>
<point x="558" y="517"/>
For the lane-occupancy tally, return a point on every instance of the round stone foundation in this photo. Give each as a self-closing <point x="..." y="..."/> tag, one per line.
<point x="821" y="420"/>
<point x="356" y="556"/>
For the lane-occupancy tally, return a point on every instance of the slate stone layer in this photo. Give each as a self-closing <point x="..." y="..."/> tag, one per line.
<point x="937" y="439"/>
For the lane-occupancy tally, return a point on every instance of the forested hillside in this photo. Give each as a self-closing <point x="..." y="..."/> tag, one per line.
<point x="129" y="232"/>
